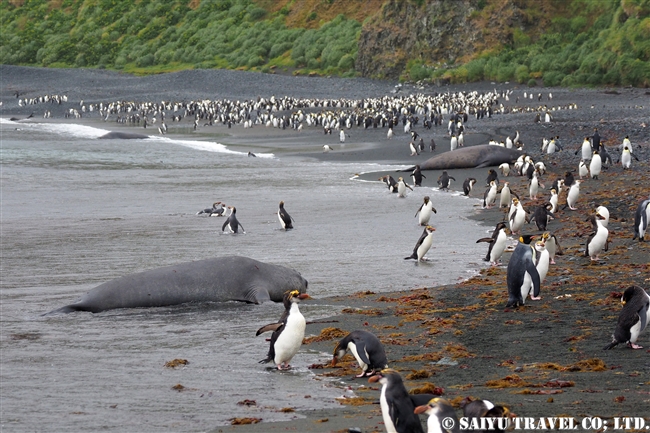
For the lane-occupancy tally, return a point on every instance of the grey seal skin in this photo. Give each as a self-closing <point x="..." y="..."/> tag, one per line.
<point x="221" y="279"/>
<point x="480" y="156"/>
<point x="123" y="135"/>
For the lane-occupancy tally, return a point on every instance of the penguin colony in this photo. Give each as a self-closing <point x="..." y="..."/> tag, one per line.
<point x="532" y="253"/>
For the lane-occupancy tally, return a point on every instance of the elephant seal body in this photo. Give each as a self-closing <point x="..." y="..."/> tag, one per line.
<point x="123" y="135"/>
<point x="221" y="279"/>
<point x="484" y="155"/>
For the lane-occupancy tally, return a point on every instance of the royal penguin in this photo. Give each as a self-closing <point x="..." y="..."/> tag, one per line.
<point x="468" y="184"/>
<point x="505" y="169"/>
<point x="423" y="245"/>
<point x="505" y="197"/>
<point x="497" y="243"/>
<point x="553" y="200"/>
<point x="517" y="216"/>
<point x="552" y="246"/>
<point x="402" y="187"/>
<point x="597" y="241"/>
<point x="390" y="182"/>
<point x="595" y="166"/>
<point x="442" y="417"/>
<point x="641" y="218"/>
<point x="633" y="319"/>
<point x="208" y="211"/>
<point x="425" y="211"/>
<point x="477" y="409"/>
<point x="604" y="213"/>
<point x="397" y="408"/>
<point x="533" y="185"/>
<point x="522" y="273"/>
<point x="288" y="333"/>
<point x="284" y="217"/>
<point x="492" y="176"/>
<point x="417" y="176"/>
<point x="232" y="222"/>
<point x="543" y="260"/>
<point x="367" y="350"/>
<point x="444" y="180"/>
<point x="542" y="215"/>
<point x="490" y="195"/>
<point x="572" y="195"/>
<point x="583" y="170"/>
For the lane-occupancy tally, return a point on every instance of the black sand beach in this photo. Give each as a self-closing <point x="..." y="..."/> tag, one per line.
<point x="541" y="360"/>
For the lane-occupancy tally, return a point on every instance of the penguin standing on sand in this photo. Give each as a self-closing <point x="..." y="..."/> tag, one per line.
<point x="231" y="222"/>
<point x="468" y="185"/>
<point x="552" y="246"/>
<point x="517" y="216"/>
<point x="397" y="409"/>
<point x="641" y="218"/>
<point x="284" y="217"/>
<point x="572" y="195"/>
<point x="438" y="410"/>
<point x="583" y="170"/>
<point x="542" y="215"/>
<point x="553" y="201"/>
<point x="595" y="166"/>
<point x="497" y="243"/>
<point x="490" y="195"/>
<point x="401" y="187"/>
<point x="522" y="272"/>
<point x="633" y="319"/>
<point x="597" y="241"/>
<point x="444" y="181"/>
<point x="423" y="245"/>
<point x="288" y="333"/>
<point x="506" y="194"/>
<point x="366" y="348"/>
<point x="425" y="211"/>
<point x="417" y="176"/>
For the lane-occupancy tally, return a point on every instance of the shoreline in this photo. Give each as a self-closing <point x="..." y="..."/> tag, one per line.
<point x="522" y="358"/>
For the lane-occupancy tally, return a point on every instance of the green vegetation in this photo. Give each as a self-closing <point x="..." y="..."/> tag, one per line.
<point x="603" y="42"/>
<point x="612" y="50"/>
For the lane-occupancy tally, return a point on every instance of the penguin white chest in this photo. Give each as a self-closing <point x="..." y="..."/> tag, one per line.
<point x="433" y="422"/>
<point x="425" y="214"/>
<point x="425" y="246"/>
<point x="499" y="246"/>
<point x="385" y="412"/>
<point x="598" y="242"/>
<point x="355" y="352"/>
<point x="290" y="339"/>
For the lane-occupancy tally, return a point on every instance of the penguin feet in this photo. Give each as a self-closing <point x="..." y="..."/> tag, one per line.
<point x="284" y="366"/>
<point x="535" y="298"/>
<point x="634" y="346"/>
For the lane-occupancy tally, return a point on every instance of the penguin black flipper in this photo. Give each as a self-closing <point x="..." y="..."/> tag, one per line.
<point x="271" y="355"/>
<point x="534" y="275"/>
<point x="269" y="327"/>
<point x="414" y="256"/>
<point x="418" y="211"/>
<point x="421" y="399"/>
<point x="361" y="351"/>
<point x="488" y="240"/>
<point x="223" y="227"/>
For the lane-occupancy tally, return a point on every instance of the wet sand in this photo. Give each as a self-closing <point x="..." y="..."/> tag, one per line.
<point x="544" y="359"/>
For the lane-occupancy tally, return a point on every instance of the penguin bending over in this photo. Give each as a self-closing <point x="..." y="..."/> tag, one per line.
<point x="633" y="319"/>
<point x="468" y="185"/>
<point x="438" y="410"/>
<point x="284" y="217"/>
<point x="486" y="409"/>
<point x="423" y="245"/>
<point x="366" y="348"/>
<point x="425" y="211"/>
<point x="390" y="182"/>
<point x="397" y="409"/>
<point x="522" y="272"/>
<point x="641" y="218"/>
<point x="231" y="222"/>
<point x="288" y="333"/>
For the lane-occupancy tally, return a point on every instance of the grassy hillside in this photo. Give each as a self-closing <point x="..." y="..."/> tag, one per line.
<point x="561" y="42"/>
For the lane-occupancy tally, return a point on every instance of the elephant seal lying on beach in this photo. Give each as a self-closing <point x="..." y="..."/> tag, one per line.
<point x="484" y="155"/>
<point x="221" y="279"/>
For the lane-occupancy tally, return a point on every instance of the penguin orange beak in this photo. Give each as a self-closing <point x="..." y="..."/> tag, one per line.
<point x="374" y="378"/>
<point x="334" y="360"/>
<point x="303" y="296"/>
<point x="421" y="409"/>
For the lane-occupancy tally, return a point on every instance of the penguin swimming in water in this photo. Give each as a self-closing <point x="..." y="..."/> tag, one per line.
<point x="284" y="217"/>
<point x="522" y="272"/>
<point x="598" y="239"/>
<point x="438" y="410"/>
<point x="210" y="210"/>
<point x="417" y="176"/>
<point x="425" y="211"/>
<point x="444" y="181"/>
<point x="477" y="409"/>
<point x="497" y="243"/>
<point x="397" y="408"/>
<point x="641" y="218"/>
<point x="231" y="222"/>
<point x="288" y="333"/>
<point x="468" y="185"/>
<point x="633" y="319"/>
<point x="390" y="182"/>
<point x="366" y="348"/>
<point x="423" y="245"/>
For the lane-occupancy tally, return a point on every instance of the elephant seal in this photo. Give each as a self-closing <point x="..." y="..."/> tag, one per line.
<point x="484" y="155"/>
<point x="230" y="278"/>
<point x="123" y="135"/>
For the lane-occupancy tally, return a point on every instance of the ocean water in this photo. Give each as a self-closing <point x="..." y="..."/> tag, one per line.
<point x="77" y="211"/>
